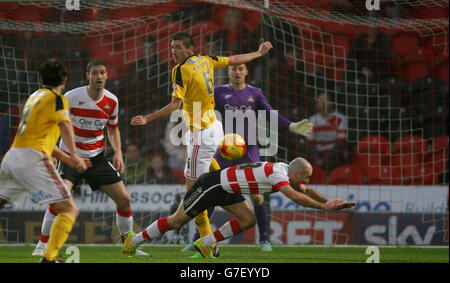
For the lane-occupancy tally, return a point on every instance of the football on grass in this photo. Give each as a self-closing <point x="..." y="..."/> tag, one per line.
<point x="232" y="147"/>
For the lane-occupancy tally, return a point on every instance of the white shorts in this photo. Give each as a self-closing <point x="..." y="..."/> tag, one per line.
<point x="201" y="147"/>
<point x="27" y="170"/>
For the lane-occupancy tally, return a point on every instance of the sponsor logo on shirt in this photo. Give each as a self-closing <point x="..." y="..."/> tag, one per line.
<point x="237" y="107"/>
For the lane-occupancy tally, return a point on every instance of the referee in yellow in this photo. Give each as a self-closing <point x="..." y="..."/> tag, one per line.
<point x="193" y="86"/>
<point x="27" y="166"/>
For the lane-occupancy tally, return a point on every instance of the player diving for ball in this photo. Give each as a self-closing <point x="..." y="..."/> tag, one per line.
<point x="193" y="86"/>
<point x="238" y="96"/>
<point x="225" y="188"/>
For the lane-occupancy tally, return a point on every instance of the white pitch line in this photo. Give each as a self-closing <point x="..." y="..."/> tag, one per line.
<point x="246" y="245"/>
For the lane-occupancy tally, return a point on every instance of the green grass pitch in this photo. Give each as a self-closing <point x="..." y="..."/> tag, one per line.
<point x="238" y="254"/>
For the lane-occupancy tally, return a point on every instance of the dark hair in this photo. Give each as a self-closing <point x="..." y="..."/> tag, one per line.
<point x="52" y="72"/>
<point x="93" y="63"/>
<point x="185" y="37"/>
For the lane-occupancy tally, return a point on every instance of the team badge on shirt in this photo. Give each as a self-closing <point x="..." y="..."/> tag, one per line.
<point x="250" y="99"/>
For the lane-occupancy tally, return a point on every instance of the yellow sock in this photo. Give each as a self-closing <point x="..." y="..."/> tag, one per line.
<point x="214" y="165"/>
<point x="202" y="223"/>
<point x="58" y="234"/>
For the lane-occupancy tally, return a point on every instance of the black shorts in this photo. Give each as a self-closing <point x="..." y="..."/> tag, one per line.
<point x="101" y="173"/>
<point x="207" y="192"/>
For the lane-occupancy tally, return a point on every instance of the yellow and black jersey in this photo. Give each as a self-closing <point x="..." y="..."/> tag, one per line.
<point x="41" y="115"/>
<point x="193" y="83"/>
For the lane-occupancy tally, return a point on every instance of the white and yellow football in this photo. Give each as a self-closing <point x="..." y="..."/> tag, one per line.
<point x="232" y="147"/>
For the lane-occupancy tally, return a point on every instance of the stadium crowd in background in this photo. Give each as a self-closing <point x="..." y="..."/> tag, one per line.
<point x="372" y="55"/>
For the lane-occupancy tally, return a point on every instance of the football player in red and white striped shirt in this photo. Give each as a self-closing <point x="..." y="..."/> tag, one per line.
<point x="327" y="144"/>
<point x="92" y="108"/>
<point x="225" y="188"/>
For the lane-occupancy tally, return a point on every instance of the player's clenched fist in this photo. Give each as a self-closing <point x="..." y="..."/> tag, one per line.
<point x="265" y="47"/>
<point x="138" y="120"/>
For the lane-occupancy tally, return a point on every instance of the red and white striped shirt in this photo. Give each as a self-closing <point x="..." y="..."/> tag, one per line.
<point x="255" y="178"/>
<point x="328" y="130"/>
<point x="89" y="119"/>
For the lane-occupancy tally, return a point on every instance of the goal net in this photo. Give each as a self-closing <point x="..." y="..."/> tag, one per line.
<point x="374" y="82"/>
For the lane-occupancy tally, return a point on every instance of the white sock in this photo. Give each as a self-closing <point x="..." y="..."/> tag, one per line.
<point x="124" y="221"/>
<point x="227" y="230"/>
<point x="47" y="223"/>
<point x="209" y="240"/>
<point x="153" y="231"/>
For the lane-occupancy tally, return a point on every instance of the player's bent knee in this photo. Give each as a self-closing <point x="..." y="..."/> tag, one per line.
<point x="124" y="202"/>
<point x="257" y="200"/>
<point x="66" y="207"/>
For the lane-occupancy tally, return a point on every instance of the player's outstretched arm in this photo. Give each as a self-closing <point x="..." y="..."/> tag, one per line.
<point x="312" y="193"/>
<point x="141" y="120"/>
<point x="236" y="60"/>
<point x="306" y="201"/>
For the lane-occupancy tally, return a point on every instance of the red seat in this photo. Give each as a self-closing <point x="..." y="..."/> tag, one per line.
<point x="406" y="162"/>
<point x="420" y="175"/>
<point x="168" y="28"/>
<point x="440" y="142"/>
<point x="339" y="47"/>
<point x="372" y="151"/>
<point x="422" y="54"/>
<point x="8" y="7"/>
<point x="437" y="160"/>
<point x="423" y="12"/>
<point x="414" y="71"/>
<point x="127" y="13"/>
<point x="159" y="9"/>
<point x="339" y="28"/>
<point x="318" y="177"/>
<point x="252" y="20"/>
<point x="384" y="175"/>
<point x="164" y="52"/>
<point x="316" y="59"/>
<point x="404" y="43"/>
<point x="337" y="69"/>
<point x="375" y="144"/>
<point x="3" y="15"/>
<point x="438" y="155"/>
<point x="346" y="174"/>
<point x="410" y="144"/>
<point x="29" y="15"/>
<point x="132" y="49"/>
<point x="204" y="28"/>
<point x="368" y="161"/>
<point x="442" y="71"/>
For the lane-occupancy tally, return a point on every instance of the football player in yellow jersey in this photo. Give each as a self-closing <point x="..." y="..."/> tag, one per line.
<point x="193" y="87"/>
<point x="27" y="167"/>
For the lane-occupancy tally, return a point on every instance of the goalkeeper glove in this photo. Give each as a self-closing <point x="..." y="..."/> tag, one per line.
<point x="304" y="127"/>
